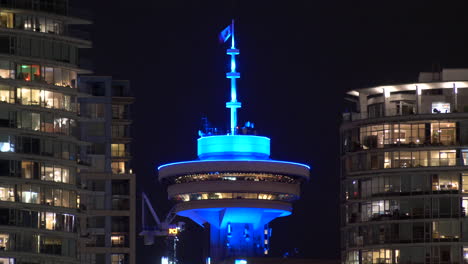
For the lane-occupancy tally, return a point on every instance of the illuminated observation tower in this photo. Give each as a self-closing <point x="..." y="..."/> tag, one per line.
<point x="234" y="186"/>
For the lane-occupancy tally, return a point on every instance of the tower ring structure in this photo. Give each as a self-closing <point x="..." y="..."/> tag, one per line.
<point x="236" y="188"/>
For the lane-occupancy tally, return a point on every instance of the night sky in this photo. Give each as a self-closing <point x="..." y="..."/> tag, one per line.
<point x="297" y="60"/>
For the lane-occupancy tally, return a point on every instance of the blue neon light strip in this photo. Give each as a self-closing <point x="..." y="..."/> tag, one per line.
<point x="198" y="161"/>
<point x="233" y="144"/>
<point x="233" y="65"/>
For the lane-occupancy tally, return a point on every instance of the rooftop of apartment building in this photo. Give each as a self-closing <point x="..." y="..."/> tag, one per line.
<point x="446" y="78"/>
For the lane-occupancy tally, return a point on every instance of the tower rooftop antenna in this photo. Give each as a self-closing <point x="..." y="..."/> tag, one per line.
<point x="233" y="75"/>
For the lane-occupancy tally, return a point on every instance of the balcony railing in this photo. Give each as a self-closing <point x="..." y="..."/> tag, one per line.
<point x="120" y="154"/>
<point x="56" y="7"/>
<point x="353" y="116"/>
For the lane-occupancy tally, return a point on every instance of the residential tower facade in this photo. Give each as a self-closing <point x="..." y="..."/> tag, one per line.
<point x="108" y="195"/>
<point x="39" y="140"/>
<point x="404" y="175"/>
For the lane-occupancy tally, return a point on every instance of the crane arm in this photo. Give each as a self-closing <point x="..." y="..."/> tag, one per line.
<point x="170" y="216"/>
<point x="146" y="201"/>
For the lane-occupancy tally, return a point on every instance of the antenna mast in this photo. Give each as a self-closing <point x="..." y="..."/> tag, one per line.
<point x="233" y="75"/>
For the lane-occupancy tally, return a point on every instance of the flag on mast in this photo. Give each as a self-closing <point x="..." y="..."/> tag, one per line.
<point x="225" y="34"/>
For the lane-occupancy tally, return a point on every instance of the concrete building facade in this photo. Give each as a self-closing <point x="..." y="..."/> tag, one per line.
<point x="404" y="175"/>
<point x="108" y="194"/>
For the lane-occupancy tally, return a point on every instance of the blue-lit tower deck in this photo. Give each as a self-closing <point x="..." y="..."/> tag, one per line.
<point x="234" y="186"/>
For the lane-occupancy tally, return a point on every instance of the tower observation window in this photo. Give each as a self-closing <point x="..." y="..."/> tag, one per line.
<point x="235" y="176"/>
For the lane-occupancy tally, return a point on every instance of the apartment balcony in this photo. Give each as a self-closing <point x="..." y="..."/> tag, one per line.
<point x="123" y="99"/>
<point x="59" y="11"/>
<point x="411" y="146"/>
<point x="121" y="156"/>
<point x="79" y="38"/>
<point x="123" y="172"/>
<point x="356" y="119"/>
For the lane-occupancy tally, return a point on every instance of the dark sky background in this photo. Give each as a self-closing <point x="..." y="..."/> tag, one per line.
<point x="297" y="60"/>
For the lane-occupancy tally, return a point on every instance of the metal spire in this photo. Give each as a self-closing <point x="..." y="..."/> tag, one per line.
<point x="233" y="75"/>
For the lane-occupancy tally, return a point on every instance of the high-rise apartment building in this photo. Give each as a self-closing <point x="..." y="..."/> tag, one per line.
<point x="108" y="195"/>
<point x="405" y="172"/>
<point x="38" y="132"/>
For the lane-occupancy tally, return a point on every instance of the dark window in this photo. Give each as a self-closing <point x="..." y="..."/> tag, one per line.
<point x="120" y="224"/>
<point x="120" y="187"/>
<point x="432" y="92"/>
<point x="4" y="119"/>
<point x="4" y="216"/>
<point x="375" y="110"/>
<point x="4" y="44"/>
<point x="98" y="89"/>
<point x="118" y="90"/>
<point x="4" y="168"/>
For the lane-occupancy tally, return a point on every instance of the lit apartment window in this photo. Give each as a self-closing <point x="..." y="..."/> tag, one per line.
<point x="5" y="144"/>
<point x="49" y="219"/>
<point x="4" y="242"/>
<point x="6" y="20"/>
<point x="43" y="74"/>
<point x="28" y="72"/>
<point x="118" y="259"/>
<point x="30" y="194"/>
<point x="352" y="257"/>
<point x="7" y="261"/>
<point x="465" y="183"/>
<point x="118" y="150"/>
<point x="57" y="174"/>
<point x="445" y="182"/>
<point x="465" y="255"/>
<point x="7" y="94"/>
<point x="443" y="133"/>
<point x="6" y="70"/>
<point x="62" y="125"/>
<point x="118" y="241"/>
<point x="379" y="209"/>
<point x="118" y="167"/>
<point x="440" y="107"/>
<point x="27" y="96"/>
<point x="27" y="169"/>
<point x="380" y="256"/>
<point x="464" y="206"/>
<point x="39" y="24"/>
<point x="443" y="158"/>
<point x="7" y="193"/>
